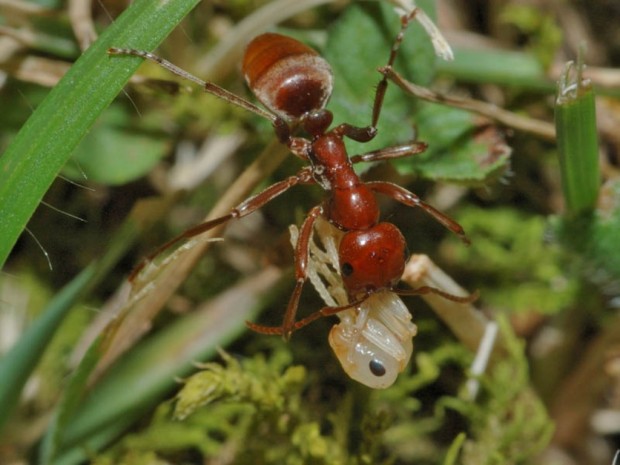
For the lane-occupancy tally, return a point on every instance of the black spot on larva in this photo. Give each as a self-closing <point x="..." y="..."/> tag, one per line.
<point x="376" y="368"/>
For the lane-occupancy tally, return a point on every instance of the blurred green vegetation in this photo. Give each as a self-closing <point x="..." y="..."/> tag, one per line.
<point x="110" y="383"/>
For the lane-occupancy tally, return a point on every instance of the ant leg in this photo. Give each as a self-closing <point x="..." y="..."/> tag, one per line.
<point x="383" y="83"/>
<point x="302" y="255"/>
<point x="405" y="197"/>
<point x="390" y="153"/>
<point x="302" y="252"/>
<point x="324" y="312"/>
<point x="297" y="145"/>
<point x="367" y="133"/>
<point x="250" y="205"/>
<point x="468" y="299"/>
<point x="208" y="87"/>
<point x="355" y="133"/>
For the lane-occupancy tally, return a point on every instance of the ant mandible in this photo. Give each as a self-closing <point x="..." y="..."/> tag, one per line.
<point x="294" y="83"/>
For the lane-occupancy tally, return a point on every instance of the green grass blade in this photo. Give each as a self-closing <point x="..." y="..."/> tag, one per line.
<point x="508" y="68"/>
<point x="145" y="374"/>
<point x="18" y="363"/>
<point x="48" y="138"/>
<point x="575" y="120"/>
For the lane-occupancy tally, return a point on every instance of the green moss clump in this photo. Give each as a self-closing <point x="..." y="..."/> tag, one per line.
<point x="510" y="424"/>
<point x="513" y="262"/>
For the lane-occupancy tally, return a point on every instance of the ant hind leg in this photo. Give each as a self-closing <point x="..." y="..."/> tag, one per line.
<point x="402" y="195"/>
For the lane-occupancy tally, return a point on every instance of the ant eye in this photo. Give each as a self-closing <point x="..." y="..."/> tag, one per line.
<point x="346" y="269"/>
<point x="376" y="368"/>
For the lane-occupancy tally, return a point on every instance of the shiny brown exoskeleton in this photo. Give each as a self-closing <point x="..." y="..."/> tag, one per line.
<point x="294" y="83"/>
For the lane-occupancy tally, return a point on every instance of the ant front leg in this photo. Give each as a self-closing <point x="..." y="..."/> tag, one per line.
<point x="405" y="197"/>
<point x="302" y="254"/>
<point x="366" y="134"/>
<point x="383" y="83"/>
<point x="250" y="205"/>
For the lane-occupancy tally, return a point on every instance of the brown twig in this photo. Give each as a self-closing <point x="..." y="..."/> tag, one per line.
<point x="507" y="118"/>
<point x="466" y="322"/>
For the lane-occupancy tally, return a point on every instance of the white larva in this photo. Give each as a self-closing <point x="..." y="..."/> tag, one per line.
<point x="374" y="341"/>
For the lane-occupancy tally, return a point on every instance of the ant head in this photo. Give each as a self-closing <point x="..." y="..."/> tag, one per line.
<point x="288" y="77"/>
<point x="372" y="259"/>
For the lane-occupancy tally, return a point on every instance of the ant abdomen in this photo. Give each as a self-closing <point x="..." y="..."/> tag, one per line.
<point x="288" y="77"/>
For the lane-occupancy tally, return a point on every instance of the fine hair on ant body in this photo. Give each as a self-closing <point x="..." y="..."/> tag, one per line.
<point x="294" y="83"/>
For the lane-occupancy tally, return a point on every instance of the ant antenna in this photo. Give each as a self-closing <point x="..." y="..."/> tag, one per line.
<point x="208" y="87"/>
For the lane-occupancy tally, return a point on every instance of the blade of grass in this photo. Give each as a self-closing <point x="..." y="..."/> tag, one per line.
<point x="48" y="138"/>
<point x="148" y="372"/>
<point x="504" y="67"/>
<point x="575" y="119"/>
<point x="17" y="365"/>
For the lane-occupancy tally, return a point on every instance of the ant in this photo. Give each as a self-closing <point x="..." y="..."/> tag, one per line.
<point x="294" y="83"/>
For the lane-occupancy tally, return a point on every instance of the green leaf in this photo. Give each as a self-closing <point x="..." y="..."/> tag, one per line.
<point x="594" y="235"/>
<point x="457" y="150"/>
<point x="49" y="137"/>
<point x="357" y="46"/>
<point x="454" y="449"/>
<point x="17" y="365"/>
<point x="514" y="272"/>
<point x="21" y="104"/>
<point x="503" y="67"/>
<point x="603" y="244"/>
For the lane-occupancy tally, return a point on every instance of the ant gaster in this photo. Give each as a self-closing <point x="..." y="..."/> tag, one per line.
<point x="294" y="83"/>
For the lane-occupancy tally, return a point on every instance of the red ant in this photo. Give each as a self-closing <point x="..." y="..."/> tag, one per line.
<point x="294" y="83"/>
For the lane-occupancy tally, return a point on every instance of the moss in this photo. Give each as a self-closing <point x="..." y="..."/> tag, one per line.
<point x="513" y="261"/>
<point x="264" y="410"/>
<point x="510" y="424"/>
